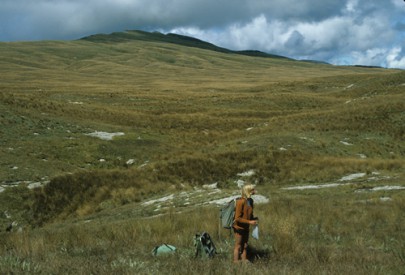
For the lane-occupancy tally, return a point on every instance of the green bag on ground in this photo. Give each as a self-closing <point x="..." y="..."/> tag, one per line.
<point x="163" y="249"/>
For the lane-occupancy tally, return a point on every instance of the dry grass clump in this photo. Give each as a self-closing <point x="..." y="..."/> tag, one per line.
<point x="84" y="193"/>
<point x="207" y="168"/>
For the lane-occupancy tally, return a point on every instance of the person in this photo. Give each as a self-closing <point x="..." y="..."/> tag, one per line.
<point x="243" y="219"/>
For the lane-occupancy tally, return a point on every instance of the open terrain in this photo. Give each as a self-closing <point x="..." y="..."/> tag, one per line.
<point x="113" y="144"/>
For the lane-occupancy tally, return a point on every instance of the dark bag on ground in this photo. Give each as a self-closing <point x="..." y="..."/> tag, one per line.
<point x="204" y="246"/>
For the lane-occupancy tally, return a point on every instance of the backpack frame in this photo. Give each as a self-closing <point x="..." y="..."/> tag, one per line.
<point x="204" y="246"/>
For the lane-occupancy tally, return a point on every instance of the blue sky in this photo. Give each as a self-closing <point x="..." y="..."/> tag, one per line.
<point x="342" y="32"/>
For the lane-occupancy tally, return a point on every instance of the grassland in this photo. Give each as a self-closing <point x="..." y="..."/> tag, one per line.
<point x="194" y="114"/>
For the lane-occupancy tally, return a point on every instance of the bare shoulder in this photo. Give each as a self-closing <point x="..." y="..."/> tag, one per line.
<point x="240" y="201"/>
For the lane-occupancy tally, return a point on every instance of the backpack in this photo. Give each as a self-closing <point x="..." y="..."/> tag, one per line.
<point x="204" y="246"/>
<point x="227" y="214"/>
<point x="163" y="249"/>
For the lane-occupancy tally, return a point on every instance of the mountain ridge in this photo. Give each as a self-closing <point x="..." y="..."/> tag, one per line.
<point x="183" y="40"/>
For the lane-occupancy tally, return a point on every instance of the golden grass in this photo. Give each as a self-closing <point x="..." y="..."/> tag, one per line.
<point x="333" y="231"/>
<point x="192" y="117"/>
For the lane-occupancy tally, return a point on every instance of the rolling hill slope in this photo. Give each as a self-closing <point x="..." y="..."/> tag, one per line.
<point x="183" y="106"/>
<point x="111" y="141"/>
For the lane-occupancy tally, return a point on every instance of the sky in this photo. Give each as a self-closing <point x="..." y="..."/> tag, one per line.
<point x="340" y="32"/>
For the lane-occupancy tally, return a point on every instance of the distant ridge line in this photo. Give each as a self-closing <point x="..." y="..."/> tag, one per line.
<point x="183" y="40"/>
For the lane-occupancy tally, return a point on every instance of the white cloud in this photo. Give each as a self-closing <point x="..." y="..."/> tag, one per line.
<point x="370" y="57"/>
<point x="351" y="6"/>
<point x="398" y="4"/>
<point x="386" y="57"/>
<point x="339" y="40"/>
<point x="396" y="58"/>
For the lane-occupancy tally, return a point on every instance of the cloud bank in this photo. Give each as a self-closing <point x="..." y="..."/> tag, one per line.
<point x="343" y="32"/>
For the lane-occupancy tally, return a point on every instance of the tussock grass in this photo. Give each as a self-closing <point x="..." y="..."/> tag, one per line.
<point x="333" y="231"/>
<point x="83" y="193"/>
<point x="194" y="115"/>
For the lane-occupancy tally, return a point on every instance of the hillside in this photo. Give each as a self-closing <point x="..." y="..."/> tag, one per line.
<point x="94" y="129"/>
<point x="171" y="38"/>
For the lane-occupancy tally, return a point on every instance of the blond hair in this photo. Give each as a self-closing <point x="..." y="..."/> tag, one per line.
<point x="247" y="190"/>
